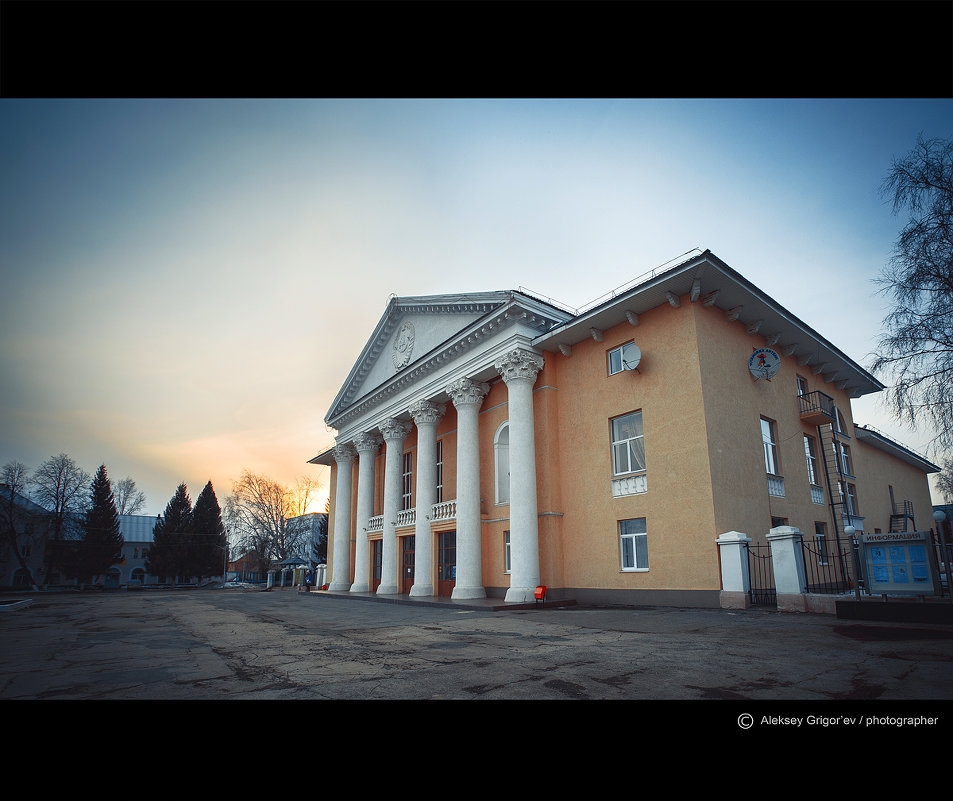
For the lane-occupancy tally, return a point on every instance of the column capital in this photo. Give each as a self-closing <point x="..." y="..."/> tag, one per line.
<point x="464" y="392"/>
<point x="367" y="442"/>
<point x="519" y="365"/>
<point x="425" y="411"/>
<point x="344" y="452"/>
<point x="394" y="430"/>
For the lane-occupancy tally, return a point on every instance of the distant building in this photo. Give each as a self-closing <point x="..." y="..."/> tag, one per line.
<point x="488" y="443"/>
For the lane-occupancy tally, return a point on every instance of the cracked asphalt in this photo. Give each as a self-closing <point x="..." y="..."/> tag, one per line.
<point x="240" y="644"/>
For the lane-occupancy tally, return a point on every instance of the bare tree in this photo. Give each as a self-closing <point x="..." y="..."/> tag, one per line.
<point x="61" y="486"/>
<point x="129" y="500"/>
<point x="19" y="526"/>
<point x="257" y="511"/>
<point x="916" y="348"/>
<point x="944" y="481"/>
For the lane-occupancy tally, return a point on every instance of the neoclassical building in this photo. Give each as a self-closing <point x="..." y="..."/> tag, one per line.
<point x="488" y="443"/>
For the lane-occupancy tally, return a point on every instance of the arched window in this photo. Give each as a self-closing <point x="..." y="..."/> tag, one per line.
<point x="138" y="575"/>
<point x="501" y="460"/>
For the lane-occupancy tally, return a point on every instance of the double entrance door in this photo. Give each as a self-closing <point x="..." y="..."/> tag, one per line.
<point x="446" y="562"/>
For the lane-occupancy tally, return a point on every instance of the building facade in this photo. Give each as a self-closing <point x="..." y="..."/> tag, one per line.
<point x="489" y="443"/>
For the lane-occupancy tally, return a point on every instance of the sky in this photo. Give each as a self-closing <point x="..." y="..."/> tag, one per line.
<point x="187" y="283"/>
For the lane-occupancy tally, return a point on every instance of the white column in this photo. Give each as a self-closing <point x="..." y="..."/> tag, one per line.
<point x="467" y="398"/>
<point x="344" y="455"/>
<point x="426" y="416"/>
<point x="366" y="446"/>
<point x="787" y="559"/>
<point x="519" y="369"/>
<point x="394" y="432"/>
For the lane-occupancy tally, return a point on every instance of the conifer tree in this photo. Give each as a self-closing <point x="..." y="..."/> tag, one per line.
<point x="168" y="554"/>
<point x="207" y="554"/>
<point x="102" y="539"/>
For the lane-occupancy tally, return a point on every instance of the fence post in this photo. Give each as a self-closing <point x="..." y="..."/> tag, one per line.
<point x="788" y="560"/>
<point x="735" y="582"/>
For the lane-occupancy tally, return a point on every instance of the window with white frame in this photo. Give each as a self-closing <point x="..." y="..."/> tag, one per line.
<point x="802" y="386"/>
<point x="501" y="458"/>
<point x="506" y="552"/>
<point x="615" y="359"/>
<point x="633" y="544"/>
<point x="843" y="458"/>
<point x="407" y="492"/>
<point x="769" y="439"/>
<point x="820" y="541"/>
<point x="628" y="444"/>
<point x="439" y="471"/>
<point x="848" y="496"/>
<point x="810" y="453"/>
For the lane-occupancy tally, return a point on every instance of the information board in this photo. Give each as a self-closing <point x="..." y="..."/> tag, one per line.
<point x="899" y="563"/>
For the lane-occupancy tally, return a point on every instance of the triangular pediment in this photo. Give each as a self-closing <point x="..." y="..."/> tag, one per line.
<point x="410" y="329"/>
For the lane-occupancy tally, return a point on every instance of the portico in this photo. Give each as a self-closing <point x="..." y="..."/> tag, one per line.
<point x="390" y="471"/>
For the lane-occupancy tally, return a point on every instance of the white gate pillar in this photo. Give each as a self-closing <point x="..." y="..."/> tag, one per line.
<point x="788" y="561"/>
<point x="735" y="580"/>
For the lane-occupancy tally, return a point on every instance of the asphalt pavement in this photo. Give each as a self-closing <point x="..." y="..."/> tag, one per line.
<point x="232" y="644"/>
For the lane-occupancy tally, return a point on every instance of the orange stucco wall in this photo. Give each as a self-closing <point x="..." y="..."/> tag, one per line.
<point x="705" y="473"/>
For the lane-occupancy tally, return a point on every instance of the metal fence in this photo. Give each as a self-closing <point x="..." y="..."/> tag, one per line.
<point x="830" y="565"/>
<point x="761" y="587"/>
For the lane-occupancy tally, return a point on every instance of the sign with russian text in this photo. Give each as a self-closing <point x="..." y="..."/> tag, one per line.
<point x="899" y="563"/>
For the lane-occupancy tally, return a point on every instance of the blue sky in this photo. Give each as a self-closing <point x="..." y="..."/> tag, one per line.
<point x="186" y="283"/>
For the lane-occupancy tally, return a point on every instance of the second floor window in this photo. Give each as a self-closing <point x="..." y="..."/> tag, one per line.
<point x="628" y="444"/>
<point x="770" y="441"/>
<point x="439" y="471"/>
<point x="406" y="495"/>
<point x="811" y="455"/>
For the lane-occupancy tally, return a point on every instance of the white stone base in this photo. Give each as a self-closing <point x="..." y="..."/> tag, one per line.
<point x="466" y="593"/>
<point x="388" y="589"/>
<point x="421" y="591"/>
<point x="520" y="595"/>
<point x="360" y="588"/>
<point x="338" y="587"/>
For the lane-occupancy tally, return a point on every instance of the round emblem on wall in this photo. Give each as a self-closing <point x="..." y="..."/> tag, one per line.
<point x="403" y="345"/>
<point x="764" y="364"/>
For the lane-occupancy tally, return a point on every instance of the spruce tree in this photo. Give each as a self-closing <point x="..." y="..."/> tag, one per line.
<point x="207" y="557"/>
<point x="102" y="539"/>
<point x="168" y="554"/>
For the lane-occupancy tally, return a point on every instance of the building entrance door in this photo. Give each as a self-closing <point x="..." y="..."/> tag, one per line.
<point x="407" y="564"/>
<point x="377" y="562"/>
<point x="446" y="562"/>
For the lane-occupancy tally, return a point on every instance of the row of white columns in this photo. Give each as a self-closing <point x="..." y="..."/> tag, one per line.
<point x="519" y="369"/>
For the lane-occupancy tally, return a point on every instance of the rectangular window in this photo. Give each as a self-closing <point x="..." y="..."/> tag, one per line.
<point x="407" y="494"/>
<point x="843" y="458"/>
<point x="801" y="386"/>
<point x="615" y="359"/>
<point x="820" y="541"/>
<point x="811" y="454"/>
<point x="848" y="496"/>
<point x="628" y="445"/>
<point x="770" y="441"/>
<point x="633" y="544"/>
<point x="439" y="471"/>
<point x="506" y="551"/>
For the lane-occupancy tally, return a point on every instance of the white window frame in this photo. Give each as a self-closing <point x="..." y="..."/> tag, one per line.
<point x="407" y="481"/>
<point x="810" y="454"/>
<point x="439" y="471"/>
<point x="629" y="541"/>
<point x="626" y="443"/>
<point x="614" y="358"/>
<point x="507" y="564"/>
<point x="769" y="442"/>
<point x="501" y="464"/>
